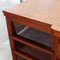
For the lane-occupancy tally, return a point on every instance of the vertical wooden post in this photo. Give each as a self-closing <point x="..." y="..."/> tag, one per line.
<point x="10" y="39"/>
<point x="56" y="48"/>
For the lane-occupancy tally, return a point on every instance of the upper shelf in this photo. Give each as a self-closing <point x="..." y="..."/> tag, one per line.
<point x="47" y="11"/>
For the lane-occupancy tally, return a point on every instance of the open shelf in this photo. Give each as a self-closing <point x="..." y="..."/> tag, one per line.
<point x="32" y="44"/>
<point x="24" y="50"/>
<point x="32" y="34"/>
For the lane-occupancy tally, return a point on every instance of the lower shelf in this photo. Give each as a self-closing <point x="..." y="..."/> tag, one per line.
<point x="23" y="54"/>
<point x="29" y="51"/>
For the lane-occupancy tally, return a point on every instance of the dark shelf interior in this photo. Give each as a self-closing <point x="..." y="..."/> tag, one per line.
<point x="37" y="36"/>
<point x="39" y="55"/>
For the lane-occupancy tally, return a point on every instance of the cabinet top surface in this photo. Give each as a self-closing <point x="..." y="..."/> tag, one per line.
<point x="47" y="11"/>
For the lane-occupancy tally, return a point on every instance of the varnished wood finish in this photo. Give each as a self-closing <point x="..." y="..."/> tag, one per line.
<point x="56" y="33"/>
<point x="31" y="23"/>
<point x="56" y="47"/>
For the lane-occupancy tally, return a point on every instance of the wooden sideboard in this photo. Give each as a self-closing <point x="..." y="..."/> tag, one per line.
<point x="38" y="15"/>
